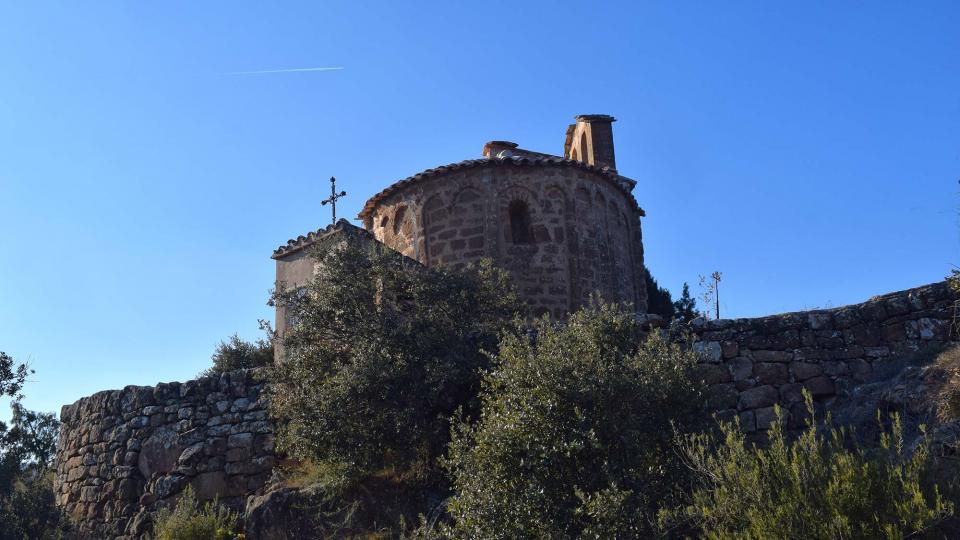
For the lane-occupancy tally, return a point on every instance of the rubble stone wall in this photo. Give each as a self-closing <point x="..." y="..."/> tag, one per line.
<point x="122" y="454"/>
<point x="125" y="453"/>
<point x="752" y="364"/>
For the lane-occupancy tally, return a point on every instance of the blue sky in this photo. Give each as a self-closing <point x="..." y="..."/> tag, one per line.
<point x="810" y="152"/>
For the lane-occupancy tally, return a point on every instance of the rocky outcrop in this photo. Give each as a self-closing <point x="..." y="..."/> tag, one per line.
<point x="124" y="453"/>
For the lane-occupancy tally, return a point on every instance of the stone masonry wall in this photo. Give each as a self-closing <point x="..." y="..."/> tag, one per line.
<point x="752" y="364"/>
<point x="124" y="453"/>
<point x="584" y="231"/>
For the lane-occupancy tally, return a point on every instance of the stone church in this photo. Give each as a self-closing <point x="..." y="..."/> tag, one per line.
<point x="564" y="226"/>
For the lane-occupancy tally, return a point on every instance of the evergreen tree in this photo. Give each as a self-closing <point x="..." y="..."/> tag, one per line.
<point x="685" y="309"/>
<point x="659" y="300"/>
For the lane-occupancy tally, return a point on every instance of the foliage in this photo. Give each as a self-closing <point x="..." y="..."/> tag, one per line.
<point x="574" y="438"/>
<point x="27" y="509"/>
<point x="685" y="308"/>
<point x="239" y="354"/>
<point x="12" y="376"/>
<point x="659" y="300"/>
<point x="814" y="487"/>
<point x="380" y="353"/>
<point x="189" y="521"/>
<point x="947" y="395"/>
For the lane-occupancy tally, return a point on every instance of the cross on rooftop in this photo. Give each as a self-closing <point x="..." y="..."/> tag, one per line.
<point x="334" y="196"/>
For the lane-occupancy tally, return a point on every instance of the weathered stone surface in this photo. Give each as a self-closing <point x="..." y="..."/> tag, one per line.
<point x="123" y="453"/>
<point x="761" y="396"/>
<point x="710" y="351"/>
<point x="771" y="373"/>
<point x="741" y="368"/>
<point x="805" y="370"/>
<point x="159" y="453"/>
<point x="820" y="386"/>
<point x="283" y="514"/>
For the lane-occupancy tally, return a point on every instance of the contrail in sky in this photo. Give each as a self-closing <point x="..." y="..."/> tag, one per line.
<point x="285" y="70"/>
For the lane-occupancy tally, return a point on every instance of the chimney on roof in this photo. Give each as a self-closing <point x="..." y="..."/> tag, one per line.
<point x="590" y="140"/>
<point x="494" y="149"/>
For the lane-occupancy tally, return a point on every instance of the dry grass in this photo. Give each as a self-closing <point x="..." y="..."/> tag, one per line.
<point x="947" y="395"/>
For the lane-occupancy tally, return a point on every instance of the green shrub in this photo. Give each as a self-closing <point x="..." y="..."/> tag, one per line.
<point x="814" y="487"/>
<point x="27" y="504"/>
<point x="240" y="354"/>
<point x="189" y="521"/>
<point x="381" y="353"/>
<point x="575" y="436"/>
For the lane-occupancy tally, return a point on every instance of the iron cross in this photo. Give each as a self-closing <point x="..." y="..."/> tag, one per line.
<point x="334" y="196"/>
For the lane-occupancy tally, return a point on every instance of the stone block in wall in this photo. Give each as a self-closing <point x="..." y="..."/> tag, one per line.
<point x="773" y="373"/>
<point x="866" y="335"/>
<point x="893" y="332"/>
<point x="805" y="370"/>
<point x="846" y="317"/>
<point x="834" y="368"/>
<point x="748" y="422"/>
<point x="771" y="356"/>
<point x="860" y="369"/>
<point x="730" y="349"/>
<point x="714" y="373"/>
<point x="761" y="396"/>
<point x="791" y="393"/>
<point x="709" y="351"/>
<point x="740" y="368"/>
<point x="722" y="396"/>
<point x="873" y="311"/>
<point x="819" y="321"/>
<point x="821" y="386"/>
<point x="765" y="416"/>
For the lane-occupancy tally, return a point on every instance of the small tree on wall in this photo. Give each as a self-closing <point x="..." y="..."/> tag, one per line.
<point x="711" y="293"/>
<point x="685" y="309"/>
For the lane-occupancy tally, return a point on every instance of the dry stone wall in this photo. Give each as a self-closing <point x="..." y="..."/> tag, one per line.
<point x="752" y="364"/>
<point x="124" y="453"/>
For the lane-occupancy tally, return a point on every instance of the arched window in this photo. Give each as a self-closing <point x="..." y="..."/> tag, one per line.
<point x="583" y="147"/>
<point x="398" y="219"/>
<point x="520" y="223"/>
<point x="383" y="222"/>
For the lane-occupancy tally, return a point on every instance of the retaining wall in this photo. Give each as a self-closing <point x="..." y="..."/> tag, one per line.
<point x="124" y="453"/>
<point x="752" y="364"/>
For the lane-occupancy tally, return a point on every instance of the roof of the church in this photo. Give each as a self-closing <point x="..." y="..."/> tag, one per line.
<point x="620" y="182"/>
<point x="302" y="242"/>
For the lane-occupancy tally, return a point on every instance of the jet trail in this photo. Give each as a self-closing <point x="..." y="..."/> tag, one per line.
<point x="285" y="70"/>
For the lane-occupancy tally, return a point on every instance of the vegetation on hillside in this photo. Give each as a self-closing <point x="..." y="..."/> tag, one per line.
<point x="239" y="354"/>
<point x="820" y="485"/>
<point x="574" y="438"/>
<point x="417" y="392"/>
<point x="27" y="506"/>
<point x="189" y="520"/>
<point x="380" y="356"/>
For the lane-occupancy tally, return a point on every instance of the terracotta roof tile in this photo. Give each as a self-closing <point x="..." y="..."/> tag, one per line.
<point x="620" y="182"/>
<point x="302" y="242"/>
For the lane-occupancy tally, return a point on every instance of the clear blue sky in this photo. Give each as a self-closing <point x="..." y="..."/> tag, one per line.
<point x="810" y="152"/>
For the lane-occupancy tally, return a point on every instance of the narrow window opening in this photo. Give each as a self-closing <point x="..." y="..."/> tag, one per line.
<point x="520" y="223"/>
<point x="398" y="219"/>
